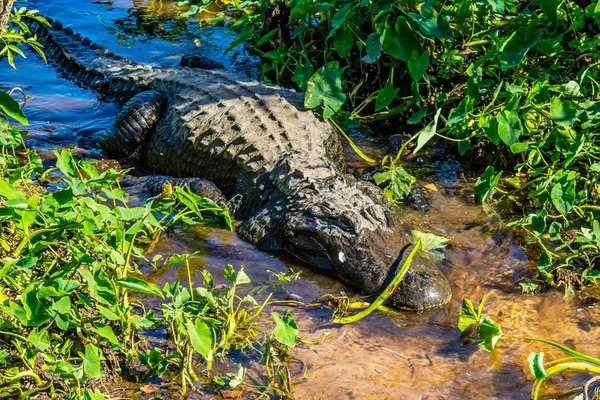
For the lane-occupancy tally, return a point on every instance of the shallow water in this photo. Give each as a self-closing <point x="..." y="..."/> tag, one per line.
<point x="400" y="356"/>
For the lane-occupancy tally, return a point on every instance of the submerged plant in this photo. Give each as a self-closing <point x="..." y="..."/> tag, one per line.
<point x="473" y="322"/>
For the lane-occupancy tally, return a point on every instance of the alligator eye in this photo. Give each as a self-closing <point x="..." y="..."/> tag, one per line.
<point x="378" y="215"/>
<point x="351" y="221"/>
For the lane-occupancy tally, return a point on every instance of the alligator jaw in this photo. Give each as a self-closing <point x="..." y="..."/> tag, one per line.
<point x="368" y="259"/>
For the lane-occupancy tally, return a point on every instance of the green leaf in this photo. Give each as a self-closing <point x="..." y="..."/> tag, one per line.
<point x="562" y="112"/>
<point x="429" y="241"/>
<point x="246" y="33"/>
<point x="519" y="147"/>
<point x="62" y="306"/>
<point x="266" y="37"/>
<point x="486" y="182"/>
<point x="138" y="285"/>
<point x="91" y="361"/>
<point x="467" y="317"/>
<point x="400" y="42"/>
<point x="39" y="339"/>
<point x="325" y="87"/>
<point x="509" y="127"/>
<point x="417" y="65"/>
<point x="563" y="197"/>
<point x="430" y="23"/>
<point x="374" y="45"/>
<point x="538" y="224"/>
<point x="536" y="365"/>
<point x="464" y="146"/>
<point x="497" y="5"/>
<point x="229" y="273"/>
<point x="428" y="132"/>
<point x="107" y="333"/>
<point x="340" y="16"/>
<point x="385" y="97"/>
<point x="65" y="162"/>
<point x="286" y="330"/>
<point x="9" y="192"/>
<point x="200" y="337"/>
<point x="517" y="46"/>
<point x="489" y="333"/>
<point x="549" y="46"/>
<point x="343" y="40"/>
<point x="460" y="112"/>
<point x="129" y="214"/>
<point x="11" y="108"/>
<point x="89" y="394"/>
<point x="549" y="7"/>
<point x="400" y="183"/>
<point x="529" y="287"/>
<point x="241" y="277"/>
<point x="302" y="73"/>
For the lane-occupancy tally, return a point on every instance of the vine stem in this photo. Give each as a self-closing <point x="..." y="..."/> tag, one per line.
<point x="386" y="293"/>
<point x="353" y="145"/>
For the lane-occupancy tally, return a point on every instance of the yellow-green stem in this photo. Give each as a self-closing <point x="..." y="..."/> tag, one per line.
<point x="387" y="292"/>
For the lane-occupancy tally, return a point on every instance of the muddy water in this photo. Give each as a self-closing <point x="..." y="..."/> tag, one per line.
<point x="400" y="356"/>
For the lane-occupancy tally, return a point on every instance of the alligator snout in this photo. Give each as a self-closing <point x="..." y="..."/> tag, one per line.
<point x="368" y="258"/>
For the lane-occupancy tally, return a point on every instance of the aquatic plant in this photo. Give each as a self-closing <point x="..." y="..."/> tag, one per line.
<point x="474" y="323"/>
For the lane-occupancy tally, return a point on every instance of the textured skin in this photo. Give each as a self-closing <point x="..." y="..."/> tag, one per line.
<point x="285" y="165"/>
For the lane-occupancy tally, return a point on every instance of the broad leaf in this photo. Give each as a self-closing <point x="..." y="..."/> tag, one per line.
<point x="325" y="87"/>
<point x="11" y="108"/>
<point x="428" y="132"/>
<point x="489" y="333"/>
<point x="467" y="316"/>
<point x="343" y="40"/>
<point x="374" y="45"/>
<point x="562" y="112"/>
<point x="485" y="183"/>
<point x="517" y="46"/>
<point x="509" y="127"/>
<point x="385" y="97"/>
<point x="417" y="65"/>
<point x="91" y="361"/>
<point x="200" y="337"/>
<point x="400" y="42"/>
<point x="138" y="285"/>
<point x="430" y="23"/>
<point x="286" y="330"/>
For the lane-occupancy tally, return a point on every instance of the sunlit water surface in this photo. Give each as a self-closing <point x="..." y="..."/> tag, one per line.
<point x="402" y="356"/>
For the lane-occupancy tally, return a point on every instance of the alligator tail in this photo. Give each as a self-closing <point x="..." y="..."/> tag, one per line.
<point x="84" y="61"/>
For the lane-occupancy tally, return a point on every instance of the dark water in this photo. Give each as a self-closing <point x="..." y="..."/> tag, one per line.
<point x="401" y="356"/>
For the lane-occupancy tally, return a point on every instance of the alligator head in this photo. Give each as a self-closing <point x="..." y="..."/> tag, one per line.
<point x="347" y="231"/>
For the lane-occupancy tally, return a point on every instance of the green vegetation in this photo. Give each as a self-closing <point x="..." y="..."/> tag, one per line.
<point x="510" y="82"/>
<point x="71" y="315"/>
<point x="473" y="322"/>
<point x="69" y="264"/>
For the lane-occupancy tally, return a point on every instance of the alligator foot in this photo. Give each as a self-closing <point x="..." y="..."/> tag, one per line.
<point x="133" y="124"/>
<point x="154" y="185"/>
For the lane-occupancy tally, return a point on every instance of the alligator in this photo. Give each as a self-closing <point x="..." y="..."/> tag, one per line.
<point x="254" y="141"/>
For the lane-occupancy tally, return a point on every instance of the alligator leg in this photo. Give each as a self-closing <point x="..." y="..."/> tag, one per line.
<point x="133" y="124"/>
<point x="154" y="185"/>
